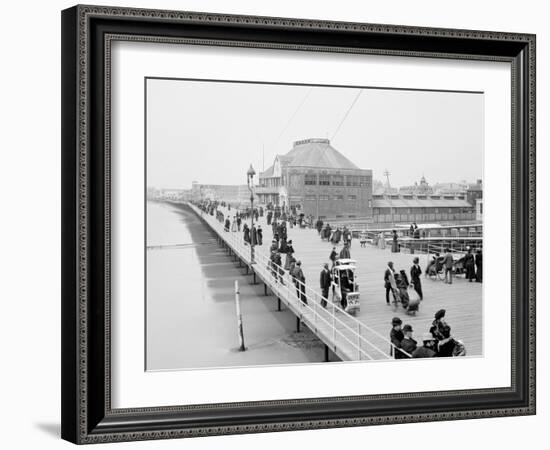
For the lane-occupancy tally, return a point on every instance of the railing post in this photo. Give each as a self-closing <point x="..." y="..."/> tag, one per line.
<point x="359" y="339"/>
<point x="314" y="311"/>
<point x="333" y="325"/>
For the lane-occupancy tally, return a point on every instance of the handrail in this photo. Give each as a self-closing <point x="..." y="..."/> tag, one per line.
<point x="265" y="266"/>
<point x="229" y="236"/>
<point x="334" y="308"/>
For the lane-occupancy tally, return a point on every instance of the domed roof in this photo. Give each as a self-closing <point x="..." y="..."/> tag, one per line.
<point x="316" y="152"/>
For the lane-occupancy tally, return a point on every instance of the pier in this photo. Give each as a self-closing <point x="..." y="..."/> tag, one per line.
<point x="365" y="336"/>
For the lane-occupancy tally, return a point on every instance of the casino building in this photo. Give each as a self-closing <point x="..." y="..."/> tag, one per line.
<point x="318" y="180"/>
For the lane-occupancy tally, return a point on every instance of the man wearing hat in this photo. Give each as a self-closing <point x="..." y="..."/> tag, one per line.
<point x="427" y="348"/>
<point x="416" y="271"/>
<point x="299" y="281"/>
<point x="408" y="344"/>
<point x="396" y="336"/>
<point x="325" y="280"/>
<point x="469" y="265"/>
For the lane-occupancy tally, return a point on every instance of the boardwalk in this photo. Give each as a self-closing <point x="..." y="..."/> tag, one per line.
<point x="462" y="300"/>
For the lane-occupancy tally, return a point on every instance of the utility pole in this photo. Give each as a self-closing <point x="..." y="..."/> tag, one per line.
<point x="250" y="182"/>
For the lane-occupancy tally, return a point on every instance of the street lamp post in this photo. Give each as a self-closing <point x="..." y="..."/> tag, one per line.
<point x="250" y="182"/>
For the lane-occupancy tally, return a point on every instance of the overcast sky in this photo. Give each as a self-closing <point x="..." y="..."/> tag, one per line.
<point x="212" y="131"/>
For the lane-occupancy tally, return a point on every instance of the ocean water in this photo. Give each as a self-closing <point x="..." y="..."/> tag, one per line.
<point x="191" y="320"/>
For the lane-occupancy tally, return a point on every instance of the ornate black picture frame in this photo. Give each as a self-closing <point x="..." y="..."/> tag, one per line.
<point x="87" y="34"/>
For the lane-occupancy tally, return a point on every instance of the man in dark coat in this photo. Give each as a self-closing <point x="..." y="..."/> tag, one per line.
<point x="325" y="281"/>
<point x="416" y="271"/>
<point x="246" y="233"/>
<point x="328" y="230"/>
<point x="283" y="232"/>
<point x="479" y="266"/>
<point x="387" y="282"/>
<point x="408" y="344"/>
<point x="260" y="235"/>
<point x="336" y="236"/>
<point x="299" y="282"/>
<point x="253" y="236"/>
<point x="319" y="225"/>
<point x="283" y="245"/>
<point x="469" y="265"/>
<point x="333" y="256"/>
<point x="448" y="265"/>
<point x="396" y="336"/>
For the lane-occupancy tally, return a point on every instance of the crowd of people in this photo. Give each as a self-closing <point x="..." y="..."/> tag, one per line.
<point x="471" y="264"/>
<point x="397" y="284"/>
<point x="333" y="235"/>
<point x="437" y="341"/>
<point x="404" y="288"/>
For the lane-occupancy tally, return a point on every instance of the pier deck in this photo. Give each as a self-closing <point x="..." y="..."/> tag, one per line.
<point x="364" y="336"/>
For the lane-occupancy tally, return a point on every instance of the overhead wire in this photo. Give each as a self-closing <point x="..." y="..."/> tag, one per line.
<point x="347" y="113"/>
<point x="294" y="114"/>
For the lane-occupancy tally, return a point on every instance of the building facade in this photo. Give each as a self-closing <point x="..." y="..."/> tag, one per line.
<point x="474" y="192"/>
<point x="318" y="180"/>
<point x="422" y="188"/>
<point x="392" y="209"/>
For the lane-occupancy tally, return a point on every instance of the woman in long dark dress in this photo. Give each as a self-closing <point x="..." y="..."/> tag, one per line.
<point x="394" y="244"/>
<point x="402" y="285"/>
<point x="469" y="265"/>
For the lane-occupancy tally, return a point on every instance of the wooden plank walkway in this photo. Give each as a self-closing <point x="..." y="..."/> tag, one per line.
<point x="366" y="335"/>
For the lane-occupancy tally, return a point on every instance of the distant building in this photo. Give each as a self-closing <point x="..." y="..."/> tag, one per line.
<point x="456" y="189"/>
<point x="237" y="194"/>
<point x="389" y="209"/>
<point x="474" y="192"/>
<point x="317" y="179"/>
<point x="422" y="188"/>
<point x="168" y="194"/>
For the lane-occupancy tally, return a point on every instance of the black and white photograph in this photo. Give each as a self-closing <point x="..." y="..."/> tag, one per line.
<point x="311" y="224"/>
